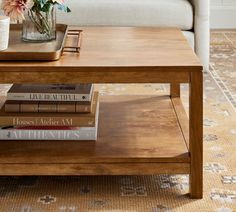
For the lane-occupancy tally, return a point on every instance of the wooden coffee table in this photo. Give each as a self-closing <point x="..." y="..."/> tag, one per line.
<point x="138" y="135"/>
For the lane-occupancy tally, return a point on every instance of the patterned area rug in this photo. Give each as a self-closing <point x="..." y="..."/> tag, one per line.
<point x="162" y="193"/>
<point x="223" y="62"/>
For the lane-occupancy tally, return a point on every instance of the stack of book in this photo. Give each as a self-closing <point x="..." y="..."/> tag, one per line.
<point x="50" y="112"/>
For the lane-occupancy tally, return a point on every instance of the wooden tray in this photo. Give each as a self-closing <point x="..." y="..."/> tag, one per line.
<point x="47" y="51"/>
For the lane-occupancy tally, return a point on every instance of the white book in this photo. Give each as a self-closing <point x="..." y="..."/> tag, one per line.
<point x="82" y="133"/>
<point x="51" y="133"/>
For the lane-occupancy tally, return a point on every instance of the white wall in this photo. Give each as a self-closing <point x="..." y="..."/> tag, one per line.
<point x="223" y="14"/>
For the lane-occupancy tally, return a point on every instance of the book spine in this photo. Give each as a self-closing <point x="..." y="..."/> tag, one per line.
<point x="48" y="97"/>
<point x="42" y="107"/>
<point x="81" y="134"/>
<point x="48" y="121"/>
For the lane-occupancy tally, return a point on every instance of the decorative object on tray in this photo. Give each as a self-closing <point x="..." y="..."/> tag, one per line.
<point x="4" y="32"/>
<point x="38" y="16"/>
<point x="39" y="25"/>
<point x="50" y="112"/>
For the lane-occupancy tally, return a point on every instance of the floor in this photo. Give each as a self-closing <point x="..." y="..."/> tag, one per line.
<point x="223" y="62"/>
<point x="164" y="193"/>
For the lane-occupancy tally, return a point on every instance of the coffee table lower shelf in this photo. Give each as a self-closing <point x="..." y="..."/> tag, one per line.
<point x="138" y="135"/>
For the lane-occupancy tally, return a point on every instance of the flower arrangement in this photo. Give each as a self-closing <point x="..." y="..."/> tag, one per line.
<point x="38" y="14"/>
<point x="16" y="9"/>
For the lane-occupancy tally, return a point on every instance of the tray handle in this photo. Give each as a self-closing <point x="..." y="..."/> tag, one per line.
<point x="76" y="48"/>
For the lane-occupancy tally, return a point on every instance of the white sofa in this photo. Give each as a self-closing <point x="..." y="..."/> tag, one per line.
<point x="192" y="17"/>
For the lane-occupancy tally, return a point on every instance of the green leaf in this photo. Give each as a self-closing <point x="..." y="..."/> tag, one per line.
<point x="46" y="7"/>
<point x="42" y="3"/>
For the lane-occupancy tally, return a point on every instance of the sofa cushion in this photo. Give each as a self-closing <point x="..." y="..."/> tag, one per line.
<point x="190" y="38"/>
<point x="170" y="13"/>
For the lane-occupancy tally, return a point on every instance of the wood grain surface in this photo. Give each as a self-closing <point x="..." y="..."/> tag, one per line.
<point x="122" y="47"/>
<point x="196" y="135"/>
<point x="131" y="129"/>
<point x="98" y="75"/>
<point x="182" y="118"/>
<point x="95" y="169"/>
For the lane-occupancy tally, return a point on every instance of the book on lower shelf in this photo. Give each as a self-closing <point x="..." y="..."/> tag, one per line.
<point x="44" y="133"/>
<point x="48" y="106"/>
<point x="50" y="92"/>
<point x="50" y="120"/>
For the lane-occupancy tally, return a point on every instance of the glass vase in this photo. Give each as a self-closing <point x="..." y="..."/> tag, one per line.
<point x="39" y="26"/>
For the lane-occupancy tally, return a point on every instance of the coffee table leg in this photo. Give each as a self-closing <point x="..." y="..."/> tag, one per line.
<point x="196" y="134"/>
<point x="175" y="90"/>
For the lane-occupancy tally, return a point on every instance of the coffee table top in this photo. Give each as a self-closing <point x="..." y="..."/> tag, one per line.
<point x="118" y="47"/>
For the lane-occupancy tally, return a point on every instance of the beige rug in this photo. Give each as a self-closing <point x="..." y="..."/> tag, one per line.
<point x="223" y="62"/>
<point x="140" y="193"/>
